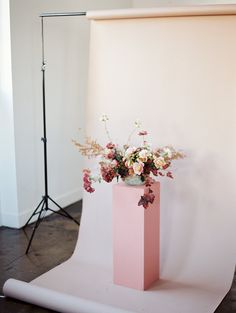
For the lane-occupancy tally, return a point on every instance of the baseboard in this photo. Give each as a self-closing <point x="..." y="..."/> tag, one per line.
<point x="10" y="220"/>
<point x="19" y="220"/>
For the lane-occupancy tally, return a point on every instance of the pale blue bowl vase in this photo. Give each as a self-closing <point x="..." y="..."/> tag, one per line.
<point x="134" y="180"/>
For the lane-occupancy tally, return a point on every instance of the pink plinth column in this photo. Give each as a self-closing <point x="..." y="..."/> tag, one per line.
<point x="136" y="237"/>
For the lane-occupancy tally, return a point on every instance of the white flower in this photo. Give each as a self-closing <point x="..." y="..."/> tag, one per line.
<point x="104" y="118"/>
<point x="143" y="155"/>
<point x="159" y="162"/>
<point x="137" y="123"/>
<point x="129" y="151"/>
<point x="138" y="168"/>
<point x="168" y="152"/>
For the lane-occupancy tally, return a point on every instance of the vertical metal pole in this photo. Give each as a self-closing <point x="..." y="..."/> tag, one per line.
<point x="44" y="138"/>
<point x="43" y="205"/>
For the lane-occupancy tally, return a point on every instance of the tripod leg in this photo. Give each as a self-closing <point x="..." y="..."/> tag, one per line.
<point x="57" y="212"/>
<point x="33" y="213"/>
<point x="35" y="227"/>
<point x="64" y="211"/>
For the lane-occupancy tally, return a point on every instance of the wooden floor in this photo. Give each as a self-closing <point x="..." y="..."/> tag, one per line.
<point x="53" y="244"/>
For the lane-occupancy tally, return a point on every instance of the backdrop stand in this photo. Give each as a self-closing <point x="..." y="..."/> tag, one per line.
<point x="43" y="206"/>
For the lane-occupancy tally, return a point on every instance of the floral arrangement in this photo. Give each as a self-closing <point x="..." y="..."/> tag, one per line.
<point x="134" y="165"/>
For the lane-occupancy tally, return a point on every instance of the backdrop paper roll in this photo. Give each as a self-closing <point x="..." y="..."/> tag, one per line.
<point x="54" y="300"/>
<point x="162" y="11"/>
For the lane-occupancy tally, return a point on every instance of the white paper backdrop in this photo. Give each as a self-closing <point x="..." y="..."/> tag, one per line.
<point x="178" y="75"/>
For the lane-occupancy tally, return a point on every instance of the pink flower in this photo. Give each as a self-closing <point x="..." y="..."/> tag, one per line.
<point x="115" y="163"/>
<point x="138" y="167"/>
<point x="147" y="198"/>
<point x="110" y="145"/>
<point x="164" y="167"/>
<point x="154" y="171"/>
<point x="87" y="181"/>
<point x="110" y="155"/>
<point x="107" y="172"/>
<point x="142" y="133"/>
<point x="169" y="174"/>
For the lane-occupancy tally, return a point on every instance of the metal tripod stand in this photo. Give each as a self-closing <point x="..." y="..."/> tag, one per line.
<point x="43" y="206"/>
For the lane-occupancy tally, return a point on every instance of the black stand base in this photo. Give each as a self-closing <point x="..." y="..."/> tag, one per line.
<point x="41" y="209"/>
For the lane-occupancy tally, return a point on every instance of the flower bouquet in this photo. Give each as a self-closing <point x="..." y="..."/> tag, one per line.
<point x="134" y="165"/>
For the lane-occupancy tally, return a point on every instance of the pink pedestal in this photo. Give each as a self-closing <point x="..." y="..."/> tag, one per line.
<point x="135" y="237"/>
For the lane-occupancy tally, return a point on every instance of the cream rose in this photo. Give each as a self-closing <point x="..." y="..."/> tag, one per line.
<point x="138" y="168"/>
<point x="143" y="155"/>
<point x="159" y="162"/>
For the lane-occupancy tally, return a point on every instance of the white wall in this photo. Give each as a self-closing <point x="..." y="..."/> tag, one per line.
<point x="8" y="186"/>
<point x="66" y="45"/>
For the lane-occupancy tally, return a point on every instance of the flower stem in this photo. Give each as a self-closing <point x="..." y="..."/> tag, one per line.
<point x="130" y="135"/>
<point x="107" y="132"/>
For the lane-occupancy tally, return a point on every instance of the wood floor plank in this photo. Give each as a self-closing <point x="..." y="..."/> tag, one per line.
<point x="54" y="243"/>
